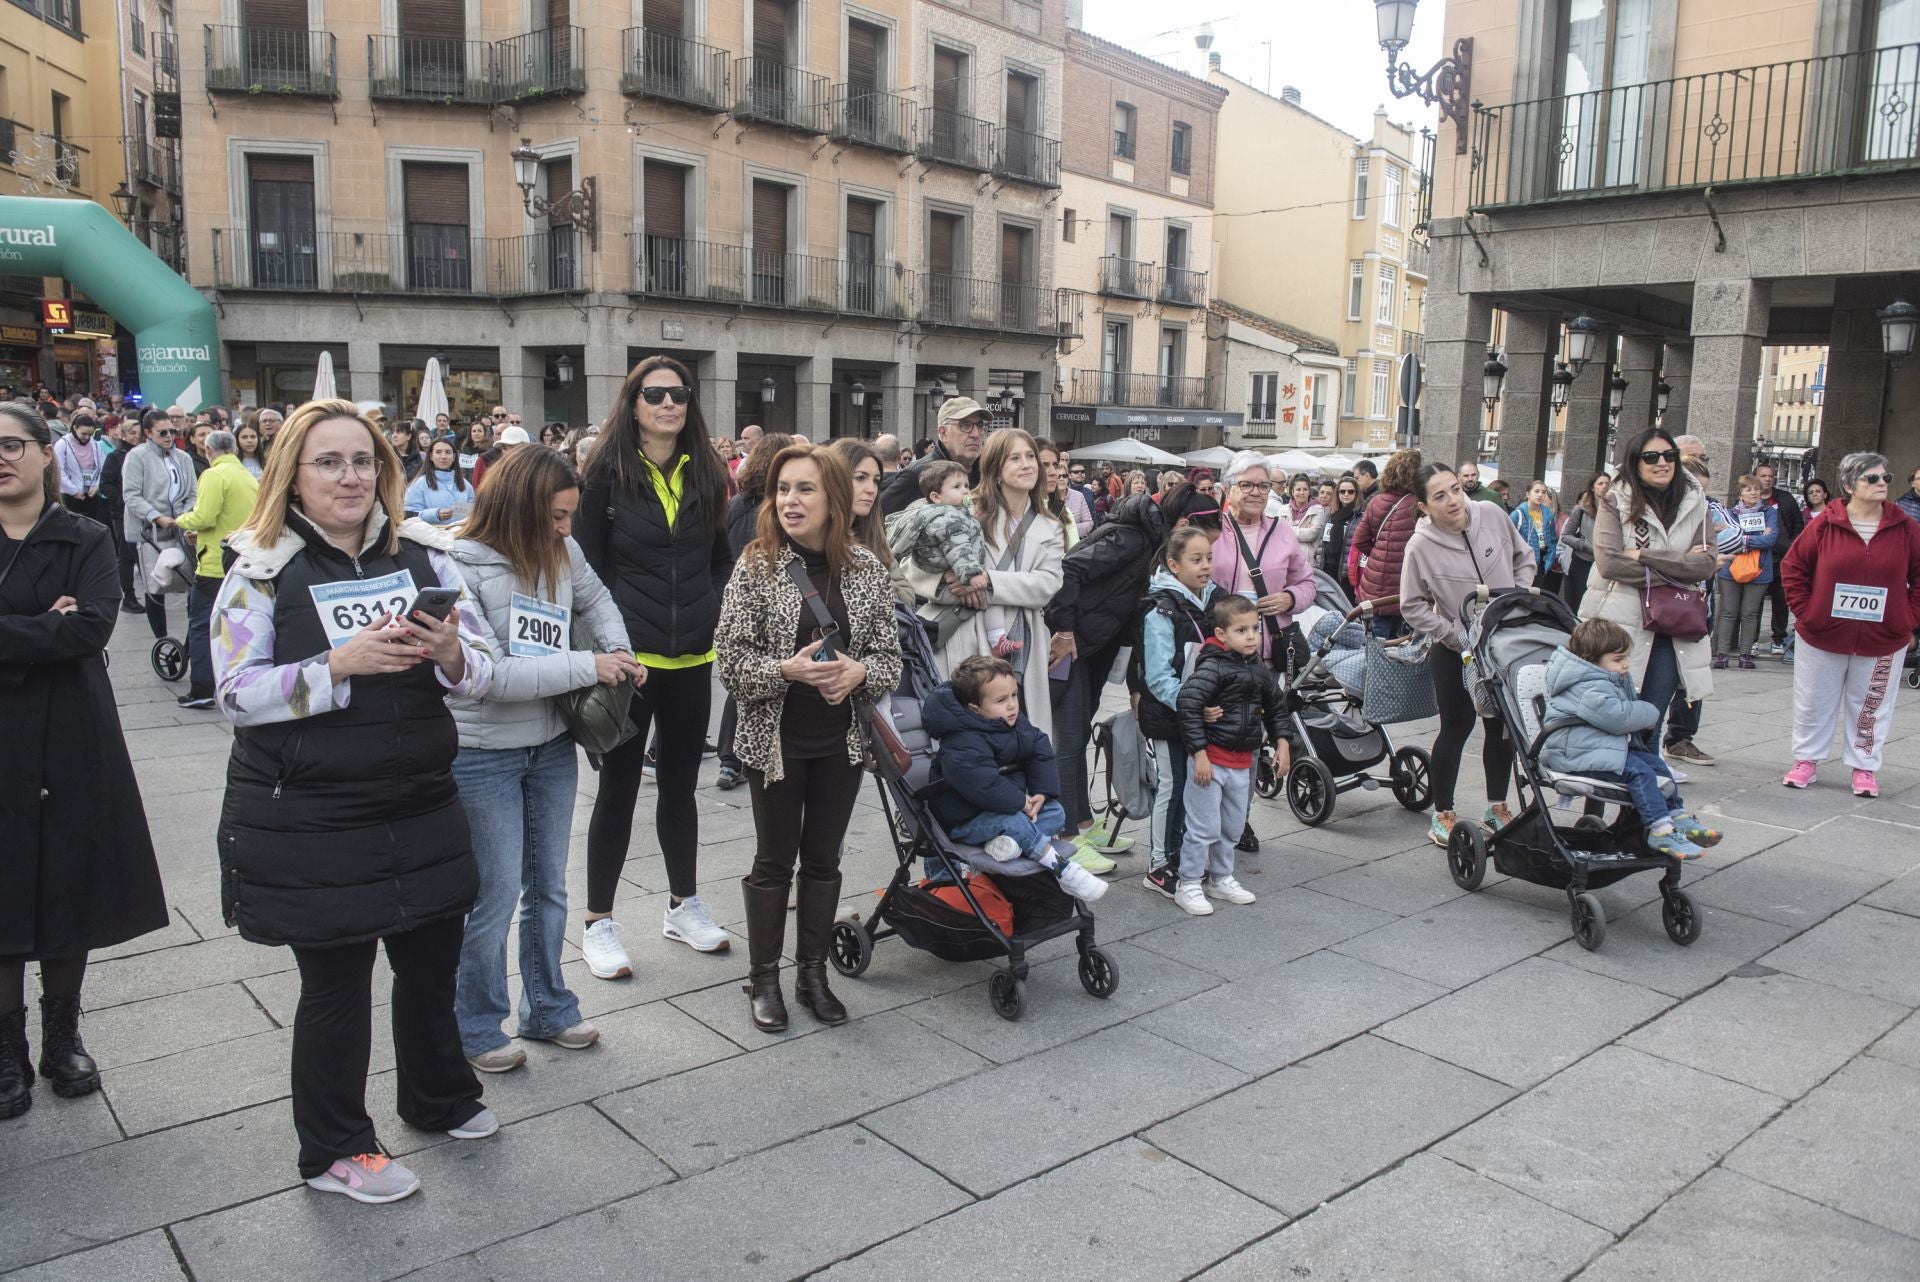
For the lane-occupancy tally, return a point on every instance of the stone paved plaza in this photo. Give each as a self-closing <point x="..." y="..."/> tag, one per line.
<point x="1367" y="1074"/>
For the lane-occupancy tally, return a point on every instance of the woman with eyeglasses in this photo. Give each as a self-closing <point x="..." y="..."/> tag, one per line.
<point x="1654" y="528"/>
<point x="342" y="834"/>
<point x="77" y="868"/>
<point x="653" y="525"/>
<point x="1852" y="579"/>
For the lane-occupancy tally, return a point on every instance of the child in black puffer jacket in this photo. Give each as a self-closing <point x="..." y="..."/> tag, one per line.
<point x="1228" y="675"/>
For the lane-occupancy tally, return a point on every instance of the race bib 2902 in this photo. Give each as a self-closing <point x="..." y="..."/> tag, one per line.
<point x="536" y="628"/>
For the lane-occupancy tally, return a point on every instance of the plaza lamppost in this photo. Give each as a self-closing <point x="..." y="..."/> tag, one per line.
<point x="574" y="209"/>
<point x="1898" y="321"/>
<point x="1583" y="335"/>
<point x="769" y="392"/>
<point x="1448" y="84"/>
<point x="1662" y="396"/>
<point x="1562" y="386"/>
<point x="563" y="369"/>
<point x="1492" y="375"/>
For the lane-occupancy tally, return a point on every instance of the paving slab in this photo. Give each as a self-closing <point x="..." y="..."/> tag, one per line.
<point x="471" y="1194"/>
<point x="1638" y="951"/>
<point x="1771" y="1031"/>
<point x="1790" y="889"/>
<point x="718" y="1112"/>
<point x="1275" y="1017"/>
<point x="1756" y="1233"/>
<point x="1306" y="1134"/>
<point x="1133" y="1239"/>
<point x="206" y="1081"/>
<point x="1609" y="1139"/>
<point x="1403" y="884"/>
<point x="177" y="931"/>
<point x="1427" y="1219"/>
<point x="1850" y="1145"/>
<point x="1462" y="940"/>
<point x="1239" y="940"/>
<point x="1282" y="861"/>
<point x="898" y="977"/>
<point x="1796" y="808"/>
<point x="1058" y="1008"/>
<point x="179" y="970"/>
<point x="1865" y="949"/>
<point x="779" y="1214"/>
<point x="55" y="1127"/>
<point x="160" y="1026"/>
<point x="147" y="1257"/>
<point x="1902" y="1045"/>
<point x="1526" y="1022"/>
<point x="1051" y="1107"/>
<point x="1901" y="895"/>
<point x="1364" y="832"/>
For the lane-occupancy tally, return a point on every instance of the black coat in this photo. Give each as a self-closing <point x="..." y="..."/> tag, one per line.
<point x="1104" y="576"/>
<point x="1792" y="518"/>
<point x="989" y="767"/>
<point x="667" y="582"/>
<point x="77" y="870"/>
<point x="1246" y="692"/>
<point x="898" y="491"/>
<point x="743" y="515"/>
<point x="110" y="486"/>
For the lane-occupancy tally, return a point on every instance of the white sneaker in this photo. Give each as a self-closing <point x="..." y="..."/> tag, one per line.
<point x="1001" y="849"/>
<point x="1679" y="775"/>
<point x="1190" y="897"/>
<point x="692" y="926"/>
<point x="477" y="1127"/>
<point x="1230" y="890"/>
<point x="1080" y="883"/>
<point x="606" y="959"/>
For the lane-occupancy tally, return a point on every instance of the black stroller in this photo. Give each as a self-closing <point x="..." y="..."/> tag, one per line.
<point x="1517" y="632"/>
<point x="1041" y="910"/>
<point x="168" y="656"/>
<point x="1338" y="745"/>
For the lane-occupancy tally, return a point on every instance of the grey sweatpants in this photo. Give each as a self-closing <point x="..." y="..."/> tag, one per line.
<point x="1737" y="612"/>
<point x="1216" y="814"/>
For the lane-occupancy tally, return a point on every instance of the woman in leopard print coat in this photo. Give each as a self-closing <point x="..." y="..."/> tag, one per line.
<point x="798" y="737"/>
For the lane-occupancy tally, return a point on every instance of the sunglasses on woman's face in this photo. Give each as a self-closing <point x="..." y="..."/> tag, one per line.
<point x="1877" y="478"/>
<point x="655" y="395"/>
<point x="1653" y="457"/>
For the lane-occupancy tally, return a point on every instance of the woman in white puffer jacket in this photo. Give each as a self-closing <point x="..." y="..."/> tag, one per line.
<point x="518" y="767"/>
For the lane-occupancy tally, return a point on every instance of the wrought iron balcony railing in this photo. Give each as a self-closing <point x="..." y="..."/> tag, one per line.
<point x="1843" y="113"/>
<point x="421" y="259"/>
<point x="954" y="139"/>
<point x="879" y="120"/>
<point x="1182" y="286"/>
<point x="703" y="271"/>
<point x="1126" y="278"/>
<point x="541" y="64"/>
<point x="166" y="61"/>
<point x="272" y="60"/>
<point x="658" y="64"/>
<point x="1120" y="387"/>
<point x="429" y="69"/>
<point x="146" y="164"/>
<point x="776" y="94"/>
<point x="978" y="303"/>
<point x="1027" y="157"/>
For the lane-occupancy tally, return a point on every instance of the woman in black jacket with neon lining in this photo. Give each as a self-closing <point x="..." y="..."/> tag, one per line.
<point x="653" y="525"/>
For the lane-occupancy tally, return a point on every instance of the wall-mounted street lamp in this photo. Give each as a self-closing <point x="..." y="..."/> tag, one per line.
<point x="1492" y="375"/>
<point x="1583" y="335"/>
<point x="1562" y="386"/>
<point x="858" y="395"/>
<point x="769" y="390"/>
<point x="1616" y="398"/>
<point x="563" y="369"/>
<point x="1662" y="395"/>
<point x="575" y="209"/>
<point x="123" y="202"/>
<point x="1898" y="321"/>
<point x="1448" y="84"/>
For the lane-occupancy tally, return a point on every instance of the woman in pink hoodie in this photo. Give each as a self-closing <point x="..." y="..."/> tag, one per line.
<point x="1250" y="541"/>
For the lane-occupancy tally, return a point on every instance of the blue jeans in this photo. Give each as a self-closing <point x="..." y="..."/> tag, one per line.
<point x="1215" y="816"/>
<point x="1387" y="627"/>
<point x="1033" y="836"/>
<point x="1657" y="686"/>
<point x="519" y="804"/>
<point x="1642" y="776"/>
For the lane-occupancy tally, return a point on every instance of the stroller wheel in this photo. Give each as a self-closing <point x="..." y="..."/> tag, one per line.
<point x="1913" y="678"/>
<point x="1413" y="778"/>
<point x="1591" y="823"/>
<point x="1677" y="914"/>
<point x="1467" y="855"/>
<point x="1008" y="995"/>
<point x="851" y="949"/>
<point x="1098" y="975"/>
<point x="1266" y="780"/>
<point x="1590" y="922"/>
<point x="169" y="659"/>
<point x="1310" y="791"/>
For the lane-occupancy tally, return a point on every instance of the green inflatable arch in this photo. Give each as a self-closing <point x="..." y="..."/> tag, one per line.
<point x="172" y="325"/>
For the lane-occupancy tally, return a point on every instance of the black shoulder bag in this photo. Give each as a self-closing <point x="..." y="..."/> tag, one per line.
<point x="886" y="755"/>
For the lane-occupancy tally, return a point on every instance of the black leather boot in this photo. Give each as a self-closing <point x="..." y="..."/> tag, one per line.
<point x="766" y="933"/>
<point x="63" y="1060"/>
<point x="16" y="1065"/>
<point x="813" y="932"/>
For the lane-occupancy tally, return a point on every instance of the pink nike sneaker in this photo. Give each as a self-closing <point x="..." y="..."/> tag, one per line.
<point x="1864" y="784"/>
<point x="1801" y="776"/>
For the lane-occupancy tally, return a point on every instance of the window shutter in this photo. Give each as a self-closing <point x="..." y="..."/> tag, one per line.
<point x="280" y="169"/>
<point x="770" y="31"/>
<point x="940" y="243"/>
<point x="666" y="196"/>
<point x="769" y="219"/>
<point x="559" y="182"/>
<point x="665" y="16"/>
<point x="946" y="80"/>
<point x="283" y="15"/>
<point x="436" y="194"/>
<point x="863" y="56"/>
<point x="862" y="217"/>
<point x="433" y="19"/>
<point x="1013" y="247"/>
<point x="559" y="13"/>
<point x="1019" y="95"/>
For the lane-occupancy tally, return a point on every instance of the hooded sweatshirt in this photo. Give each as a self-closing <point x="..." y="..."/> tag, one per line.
<point x="1603" y="704"/>
<point x="1441" y="569"/>
<point x="1829" y="553"/>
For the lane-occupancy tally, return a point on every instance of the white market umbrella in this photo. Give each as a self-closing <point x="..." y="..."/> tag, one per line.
<point x="1299" y="461"/>
<point x="1217" y="457"/>
<point x="433" y="395"/>
<point x="323" y="387"/>
<point x="1128" y="450"/>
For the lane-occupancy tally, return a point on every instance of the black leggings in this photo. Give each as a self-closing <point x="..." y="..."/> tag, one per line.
<point x="1456" y="723"/>
<point x="802" y="816"/>
<point x="59" y="977"/>
<point x="674" y="703"/>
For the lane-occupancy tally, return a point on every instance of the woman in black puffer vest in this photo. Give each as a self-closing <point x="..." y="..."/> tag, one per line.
<point x="653" y="525"/>
<point x="342" y="827"/>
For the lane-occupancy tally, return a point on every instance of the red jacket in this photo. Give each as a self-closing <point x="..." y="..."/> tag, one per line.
<point x="1382" y="537"/>
<point x="1829" y="553"/>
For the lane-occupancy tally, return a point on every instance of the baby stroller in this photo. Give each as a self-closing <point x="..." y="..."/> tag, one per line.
<point x="1338" y="731"/>
<point x="1517" y="631"/>
<point x="1041" y="910"/>
<point x="165" y="575"/>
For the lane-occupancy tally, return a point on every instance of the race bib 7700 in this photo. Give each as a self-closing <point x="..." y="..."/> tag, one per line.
<point x="350" y="605"/>
<point x="1857" y="601"/>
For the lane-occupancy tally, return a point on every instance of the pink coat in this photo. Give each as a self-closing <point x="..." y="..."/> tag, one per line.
<point x="1283" y="564"/>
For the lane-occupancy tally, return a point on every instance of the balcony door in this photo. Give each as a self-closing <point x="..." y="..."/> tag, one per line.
<point x="1116" y="353"/>
<point x="866" y="61"/>
<point x="1018" y="298"/>
<point x="663" y="53"/>
<point x="561" y="252"/>
<point x="433" y="49"/>
<point x="770" y="207"/>
<point x="278" y="49"/>
<point x="664" y="252"/>
<point x="282" y="242"/>
<point x="863" y="221"/>
<point x="1020" y="151"/>
<point x="1177" y="281"/>
<point x="771" y="88"/>
<point x="1892" y="121"/>
<point x="1605" y="107"/>
<point x="1173" y="363"/>
<point x="946" y="251"/>
<point x="439" y="240"/>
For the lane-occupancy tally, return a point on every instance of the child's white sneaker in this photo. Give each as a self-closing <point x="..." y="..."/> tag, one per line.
<point x="1080" y="883"/>
<point x="1230" y="890"/>
<point x="1001" y="849"/>
<point x="1192" y="899"/>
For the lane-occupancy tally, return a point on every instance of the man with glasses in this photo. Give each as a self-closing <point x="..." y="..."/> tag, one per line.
<point x="962" y="430"/>
<point x="157" y="484"/>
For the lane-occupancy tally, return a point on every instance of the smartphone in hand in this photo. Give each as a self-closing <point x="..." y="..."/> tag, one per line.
<point x="436" y="603"/>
